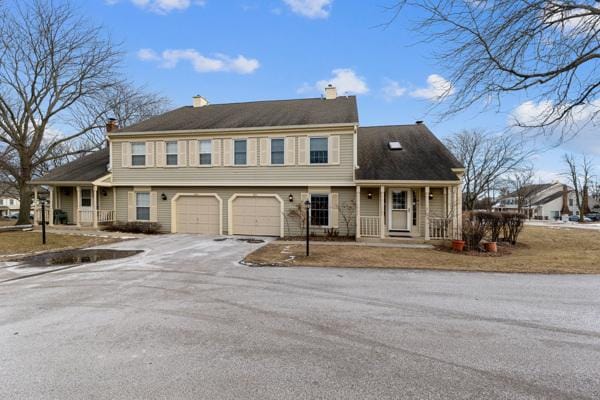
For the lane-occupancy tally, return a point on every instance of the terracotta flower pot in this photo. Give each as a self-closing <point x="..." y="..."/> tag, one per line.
<point x="490" y="247"/>
<point x="458" y="245"/>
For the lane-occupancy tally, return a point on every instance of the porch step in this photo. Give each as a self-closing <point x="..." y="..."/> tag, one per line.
<point x="394" y="239"/>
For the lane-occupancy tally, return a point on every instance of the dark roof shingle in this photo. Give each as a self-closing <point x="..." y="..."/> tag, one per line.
<point x="423" y="156"/>
<point x="253" y="114"/>
<point x="85" y="169"/>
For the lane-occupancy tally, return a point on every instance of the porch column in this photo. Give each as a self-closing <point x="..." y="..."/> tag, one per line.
<point x="382" y="211"/>
<point x="95" y="206"/>
<point x="77" y="205"/>
<point x="459" y="207"/>
<point x="445" y="203"/>
<point x="357" y="212"/>
<point x="114" y="213"/>
<point x="427" y="213"/>
<point x="51" y="207"/>
<point x="35" y="206"/>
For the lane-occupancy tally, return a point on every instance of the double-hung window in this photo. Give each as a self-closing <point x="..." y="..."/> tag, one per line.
<point x="205" y="147"/>
<point x="319" y="210"/>
<point x="138" y="154"/>
<point x="142" y="206"/>
<point x="319" y="151"/>
<point x="171" y="153"/>
<point x="277" y="151"/>
<point x="239" y="152"/>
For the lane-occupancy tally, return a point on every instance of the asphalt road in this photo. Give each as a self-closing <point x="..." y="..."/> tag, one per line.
<point x="185" y="320"/>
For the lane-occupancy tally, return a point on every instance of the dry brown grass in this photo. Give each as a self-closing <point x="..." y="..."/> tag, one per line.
<point x="30" y="242"/>
<point x="7" y="222"/>
<point x="542" y="250"/>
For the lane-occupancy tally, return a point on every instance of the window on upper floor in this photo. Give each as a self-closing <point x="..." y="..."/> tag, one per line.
<point x="11" y="202"/>
<point x="142" y="206"/>
<point x="318" y="150"/>
<point x="171" y="151"/>
<point x="205" y="147"/>
<point x="138" y="154"/>
<point x="240" y="150"/>
<point x="277" y="151"/>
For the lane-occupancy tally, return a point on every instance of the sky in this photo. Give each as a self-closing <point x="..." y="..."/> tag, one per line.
<point x="246" y="50"/>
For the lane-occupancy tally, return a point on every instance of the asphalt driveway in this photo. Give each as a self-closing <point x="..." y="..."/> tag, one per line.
<point x="185" y="320"/>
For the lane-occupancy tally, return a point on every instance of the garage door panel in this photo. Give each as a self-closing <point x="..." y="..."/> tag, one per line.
<point x="256" y="215"/>
<point x="198" y="214"/>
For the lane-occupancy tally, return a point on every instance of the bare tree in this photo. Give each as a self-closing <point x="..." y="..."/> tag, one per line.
<point x="55" y="66"/>
<point x="486" y="159"/>
<point x="579" y="174"/>
<point x="520" y="184"/>
<point x="348" y="212"/>
<point x="492" y="48"/>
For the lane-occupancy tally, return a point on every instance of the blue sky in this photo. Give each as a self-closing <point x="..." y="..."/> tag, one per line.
<point x="244" y="50"/>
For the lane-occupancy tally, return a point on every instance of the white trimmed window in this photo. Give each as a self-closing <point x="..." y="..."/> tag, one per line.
<point x="319" y="150"/>
<point x="138" y="154"/>
<point x="205" y="147"/>
<point x="171" y="150"/>
<point x="142" y="206"/>
<point x="240" y="156"/>
<point x="319" y="209"/>
<point x="277" y="151"/>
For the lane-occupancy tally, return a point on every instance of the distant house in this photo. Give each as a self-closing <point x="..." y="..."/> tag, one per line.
<point x="539" y="201"/>
<point x="9" y="202"/>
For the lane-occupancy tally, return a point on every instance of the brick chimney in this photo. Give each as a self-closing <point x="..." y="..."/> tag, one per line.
<point x="565" y="211"/>
<point x="330" y="92"/>
<point x="111" y="125"/>
<point x="199" y="101"/>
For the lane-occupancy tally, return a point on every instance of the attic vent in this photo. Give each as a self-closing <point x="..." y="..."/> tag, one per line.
<point x="394" y="145"/>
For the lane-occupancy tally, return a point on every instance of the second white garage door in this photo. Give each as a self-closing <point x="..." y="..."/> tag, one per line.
<point x="198" y="214"/>
<point x="257" y="216"/>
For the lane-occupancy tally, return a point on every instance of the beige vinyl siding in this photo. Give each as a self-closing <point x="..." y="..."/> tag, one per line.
<point x="105" y="202"/>
<point x="66" y="202"/>
<point x="291" y="226"/>
<point x="341" y="173"/>
<point x="435" y="207"/>
<point x="369" y="207"/>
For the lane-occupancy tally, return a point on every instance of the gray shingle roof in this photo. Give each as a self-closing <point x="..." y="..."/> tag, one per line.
<point x="253" y="114"/>
<point x="423" y="156"/>
<point x="85" y="169"/>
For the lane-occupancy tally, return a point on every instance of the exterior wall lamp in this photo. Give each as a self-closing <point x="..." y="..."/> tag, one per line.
<point x="163" y="196"/>
<point x="430" y="196"/>
<point x="291" y="198"/>
<point x="104" y="192"/>
<point x="370" y="195"/>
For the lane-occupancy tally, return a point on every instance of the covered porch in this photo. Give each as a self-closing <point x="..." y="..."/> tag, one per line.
<point x="80" y="204"/>
<point x="429" y="211"/>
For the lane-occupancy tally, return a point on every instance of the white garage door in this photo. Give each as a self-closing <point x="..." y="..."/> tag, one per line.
<point x="198" y="214"/>
<point x="259" y="216"/>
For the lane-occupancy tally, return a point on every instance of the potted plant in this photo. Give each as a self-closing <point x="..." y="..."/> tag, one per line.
<point x="490" y="247"/>
<point x="458" y="245"/>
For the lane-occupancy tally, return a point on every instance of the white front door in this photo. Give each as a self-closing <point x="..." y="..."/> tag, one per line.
<point x="400" y="212"/>
<point x="85" y="206"/>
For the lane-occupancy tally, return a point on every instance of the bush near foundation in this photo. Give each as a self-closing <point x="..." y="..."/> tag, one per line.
<point x="480" y="225"/>
<point x="148" y="228"/>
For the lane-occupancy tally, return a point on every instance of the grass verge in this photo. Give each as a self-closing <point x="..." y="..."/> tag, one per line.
<point x="541" y="250"/>
<point x="31" y="242"/>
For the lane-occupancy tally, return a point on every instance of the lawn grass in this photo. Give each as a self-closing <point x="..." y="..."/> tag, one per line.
<point x="7" y="222"/>
<point x="30" y="242"/>
<point x="541" y="250"/>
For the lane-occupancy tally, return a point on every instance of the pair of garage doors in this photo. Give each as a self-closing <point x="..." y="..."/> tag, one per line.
<point x="254" y="215"/>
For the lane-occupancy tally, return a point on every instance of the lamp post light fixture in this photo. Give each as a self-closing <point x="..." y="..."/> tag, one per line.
<point x="307" y="206"/>
<point x="42" y="200"/>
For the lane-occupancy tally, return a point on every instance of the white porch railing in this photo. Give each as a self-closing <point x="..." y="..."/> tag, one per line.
<point x="440" y="228"/>
<point x="106" y="216"/>
<point x="369" y="227"/>
<point x="38" y="214"/>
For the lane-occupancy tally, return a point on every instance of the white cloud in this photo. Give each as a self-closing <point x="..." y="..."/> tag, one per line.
<point x="393" y="89"/>
<point x="344" y="79"/>
<point x="310" y="8"/>
<point x="219" y="63"/>
<point x="162" y="6"/>
<point x="437" y="89"/>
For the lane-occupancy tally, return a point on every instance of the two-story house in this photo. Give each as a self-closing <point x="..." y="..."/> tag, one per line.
<point x="249" y="168"/>
<point x="9" y="203"/>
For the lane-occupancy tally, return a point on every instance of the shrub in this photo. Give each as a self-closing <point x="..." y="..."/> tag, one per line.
<point x="495" y="222"/>
<point x="474" y="228"/>
<point x="512" y="227"/>
<point x="148" y="228"/>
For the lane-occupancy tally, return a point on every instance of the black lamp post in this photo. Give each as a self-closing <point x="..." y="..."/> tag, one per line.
<point x="307" y="205"/>
<point x="42" y="200"/>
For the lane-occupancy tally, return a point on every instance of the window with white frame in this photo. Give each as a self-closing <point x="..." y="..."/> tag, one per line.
<point x="138" y="154"/>
<point x="205" y="147"/>
<point x="319" y="151"/>
<point x="239" y="152"/>
<point x="11" y="202"/>
<point x="142" y="206"/>
<point x="86" y="197"/>
<point x="277" y="151"/>
<point x="319" y="209"/>
<point x="171" y="150"/>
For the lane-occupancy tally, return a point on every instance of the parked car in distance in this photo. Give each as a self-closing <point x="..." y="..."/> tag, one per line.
<point x="575" y="218"/>
<point x="593" y="216"/>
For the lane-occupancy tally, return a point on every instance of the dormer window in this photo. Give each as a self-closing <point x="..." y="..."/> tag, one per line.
<point x="394" y="145"/>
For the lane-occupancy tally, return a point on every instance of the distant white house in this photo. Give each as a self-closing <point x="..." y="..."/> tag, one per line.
<point x="540" y="201"/>
<point x="8" y="205"/>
